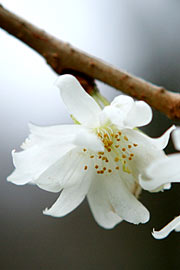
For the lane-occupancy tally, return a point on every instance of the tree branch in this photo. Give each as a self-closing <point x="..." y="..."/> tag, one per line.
<point x="62" y="56"/>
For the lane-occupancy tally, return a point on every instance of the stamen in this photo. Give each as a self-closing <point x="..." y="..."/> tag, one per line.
<point x="113" y="142"/>
<point x="84" y="149"/>
<point x="99" y="135"/>
<point x="110" y="130"/>
<point x="125" y="169"/>
<point x="85" y="167"/>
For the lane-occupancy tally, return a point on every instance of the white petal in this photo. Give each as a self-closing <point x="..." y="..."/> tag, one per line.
<point x="164" y="232"/>
<point x="70" y="197"/>
<point x="177" y="229"/>
<point x="44" y="146"/>
<point x="113" y="114"/>
<point x="101" y="207"/>
<point x="124" y="203"/>
<point x="176" y="138"/>
<point x="81" y="105"/>
<point x="116" y="112"/>
<point x="145" y="151"/>
<point x="65" y="172"/>
<point x="123" y="103"/>
<point x="89" y="140"/>
<point x="60" y="133"/>
<point x="167" y="186"/>
<point x="139" y="115"/>
<point x="54" y="131"/>
<point x="161" y="172"/>
<point x="162" y="141"/>
<point x="31" y="163"/>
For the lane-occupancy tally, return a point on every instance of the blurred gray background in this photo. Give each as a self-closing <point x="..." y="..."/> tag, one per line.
<point x="139" y="36"/>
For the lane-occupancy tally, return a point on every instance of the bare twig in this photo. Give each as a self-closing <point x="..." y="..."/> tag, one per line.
<point x="62" y="56"/>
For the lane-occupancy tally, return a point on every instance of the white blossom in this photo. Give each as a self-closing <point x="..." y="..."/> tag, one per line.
<point x="161" y="172"/>
<point x="102" y="158"/>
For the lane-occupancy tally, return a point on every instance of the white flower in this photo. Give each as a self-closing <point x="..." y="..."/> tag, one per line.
<point x="161" y="172"/>
<point x="102" y="158"/>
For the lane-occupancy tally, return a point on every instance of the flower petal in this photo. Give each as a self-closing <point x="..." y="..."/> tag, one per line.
<point x="54" y="131"/>
<point x="139" y="115"/>
<point x="113" y="114"/>
<point x="101" y="207"/>
<point x="89" y="140"/>
<point x="161" y="172"/>
<point x="164" y="232"/>
<point x="177" y="229"/>
<point x="60" y="134"/>
<point x="81" y="105"/>
<point x="123" y="103"/>
<point x="31" y="163"/>
<point x="143" y="149"/>
<point x="116" y="112"/>
<point x="47" y="134"/>
<point x="163" y="140"/>
<point x="129" y="112"/>
<point x="70" y="197"/>
<point x="176" y="138"/>
<point x="65" y="172"/>
<point x="43" y="147"/>
<point x="124" y="203"/>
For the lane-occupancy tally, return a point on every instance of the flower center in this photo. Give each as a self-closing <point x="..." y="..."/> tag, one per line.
<point x="117" y="155"/>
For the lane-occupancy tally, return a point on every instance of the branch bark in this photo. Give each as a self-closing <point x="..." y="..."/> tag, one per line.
<point x="62" y="56"/>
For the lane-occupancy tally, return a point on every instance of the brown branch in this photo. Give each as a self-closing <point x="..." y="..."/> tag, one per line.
<point x="61" y="56"/>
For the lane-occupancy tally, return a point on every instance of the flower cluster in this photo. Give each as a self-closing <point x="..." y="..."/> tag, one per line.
<point x="104" y="157"/>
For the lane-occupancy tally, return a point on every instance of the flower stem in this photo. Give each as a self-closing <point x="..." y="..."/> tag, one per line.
<point x="101" y="100"/>
<point x="104" y="101"/>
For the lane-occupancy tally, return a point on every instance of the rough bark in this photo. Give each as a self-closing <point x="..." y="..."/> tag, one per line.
<point x="62" y="56"/>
